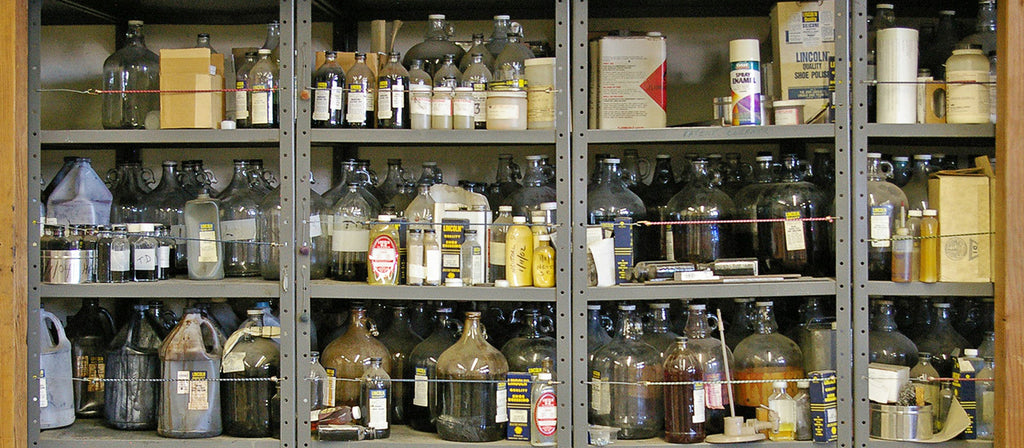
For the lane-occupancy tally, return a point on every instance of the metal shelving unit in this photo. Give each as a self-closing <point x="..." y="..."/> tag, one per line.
<point x="742" y="134"/>
<point x="953" y="139"/>
<point x="92" y="433"/>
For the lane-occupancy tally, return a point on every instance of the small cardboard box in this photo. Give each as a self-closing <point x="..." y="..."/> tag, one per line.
<point x="191" y="69"/>
<point x="519" y="407"/>
<point x="963" y="199"/>
<point x="627" y="82"/>
<point x="824" y="419"/>
<point x="885" y="382"/>
<point x="803" y="39"/>
<point x="964" y="391"/>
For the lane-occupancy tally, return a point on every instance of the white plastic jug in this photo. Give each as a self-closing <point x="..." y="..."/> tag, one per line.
<point x="81" y="198"/>
<point x="56" y="396"/>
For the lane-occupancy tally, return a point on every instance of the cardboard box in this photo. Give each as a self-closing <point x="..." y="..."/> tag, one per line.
<point x="803" y="39"/>
<point x="191" y="69"/>
<point x="519" y="407"/>
<point x="627" y="82"/>
<point x="964" y="391"/>
<point x="963" y="199"/>
<point x="452" y="236"/>
<point x="824" y="417"/>
<point x="934" y="103"/>
<point x="885" y="382"/>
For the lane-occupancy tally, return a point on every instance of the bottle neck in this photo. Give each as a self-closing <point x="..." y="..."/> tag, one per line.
<point x="437" y="30"/>
<point x="534" y="176"/>
<point x="884" y="318"/>
<point x="505" y="172"/>
<point x="942" y="316"/>
<point x="922" y="167"/>
<point x="765" y="322"/>
<point x="473" y="329"/>
<point x="358" y="323"/>
<point x="791" y="170"/>
<point x="763" y="172"/>
<point x="986" y="18"/>
<point x="659" y="322"/>
<point x="241" y="178"/>
<point x="696" y="324"/>
<point x="532" y="325"/>
<point x="169" y="178"/>
<point x="611" y="173"/>
<point x="875" y="170"/>
<point x="702" y="174"/>
<point x="630" y="326"/>
<point x="663" y="172"/>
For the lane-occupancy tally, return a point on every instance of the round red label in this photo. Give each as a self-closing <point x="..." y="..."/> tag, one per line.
<point x="383" y="258"/>
<point x="545" y="413"/>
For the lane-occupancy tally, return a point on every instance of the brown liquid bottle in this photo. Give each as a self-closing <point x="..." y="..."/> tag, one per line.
<point x="684" y="403"/>
<point x="348" y="355"/>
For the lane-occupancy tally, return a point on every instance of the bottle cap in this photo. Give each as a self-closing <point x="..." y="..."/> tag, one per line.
<point x="744" y="50"/>
<point x="441" y="16"/>
<point x="384" y="218"/>
<point x="699" y="306"/>
<point x="658" y="306"/>
<point x="228" y="124"/>
<point x="543" y="376"/>
<point x="135" y="22"/>
<point x="947" y="12"/>
<point x="504" y="208"/>
<point x="743" y="299"/>
<point x="883" y="6"/>
<point x="594" y="307"/>
<point x="543" y="238"/>
<point x="764" y="158"/>
<point x="548" y="206"/>
<point x="874" y="155"/>
<point x="931" y="212"/>
<point x="922" y="156"/>
<point x="627" y="307"/>
<point x="502" y="17"/>
<point x="610" y="160"/>
<point x="264" y="51"/>
<point x="253" y="312"/>
<point x="970" y="352"/>
<point x="764" y="303"/>
<point x="662" y="156"/>
<point x="501" y="283"/>
<point x="519" y="220"/>
<point x="942" y="305"/>
<point x="915" y="213"/>
<point x="778" y="384"/>
<point x="938" y="155"/>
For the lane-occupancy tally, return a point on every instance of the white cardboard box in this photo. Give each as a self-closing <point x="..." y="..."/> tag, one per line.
<point x="627" y="82"/>
<point x="885" y="382"/>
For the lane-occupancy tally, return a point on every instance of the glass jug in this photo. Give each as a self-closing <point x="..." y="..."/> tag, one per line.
<point x="708" y="352"/>
<point x="479" y="47"/>
<point x="597" y="330"/>
<point x="765" y="355"/>
<point x="701" y="200"/>
<point x="942" y="340"/>
<point x="746" y="205"/>
<point x="90" y="331"/>
<point x="794" y="247"/>
<point x="884" y="203"/>
<point x="508" y="65"/>
<point x="269" y="224"/>
<point x="133" y="67"/>
<point x="611" y="198"/>
<point x="348" y="354"/>
<point x="191" y="356"/>
<point x="351" y="236"/>
<point x="423" y="405"/>
<point x="535" y="189"/>
<point x="166" y="205"/>
<point x="247" y="404"/>
<point x="531" y="348"/>
<point x="886" y="344"/>
<point x="400" y="340"/>
<point x="470" y="409"/>
<point x="506" y="181"/>
<point x="684" y="404"/>
<point x="656" y="330"/>
<point x="916" y="188"/>
<point x="656" y="240"/>
<point x="435" y="45"/>
<point x="239" y="210"/>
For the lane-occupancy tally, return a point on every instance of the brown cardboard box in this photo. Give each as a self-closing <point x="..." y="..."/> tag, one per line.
<point x="191" y="69"/>
<point x="963" y="199"/>
<point x="803" y="38"/>
<point x="935" y="103"/>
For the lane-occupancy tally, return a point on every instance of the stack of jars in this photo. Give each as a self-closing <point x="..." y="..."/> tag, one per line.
<point x="498" y="85"/>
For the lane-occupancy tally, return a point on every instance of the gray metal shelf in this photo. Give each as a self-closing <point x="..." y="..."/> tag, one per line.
<point x="434" y="137"/>
<point x="879" y="288"/>
<point x="786" y="288"/>
<point x="957" y="131"/>
<point x="174" y="288"/>
<point x="330" y="289"/>
<point x="878" y="443"/>
<point x="91" y="433"/>
<point x="402" y="435"/>
<point x="711" y="134"/>
<point x="162" y="137"/>
<point x="659" y="442"/>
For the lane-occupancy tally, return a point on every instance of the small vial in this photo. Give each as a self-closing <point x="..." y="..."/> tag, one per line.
<point x="463" y="108"/>
<point x="472" y="265"/>
<point x="441" y="108"/>
<point x="120" y="256"/>
<point x="416" y="270"/>
<point x="431" y="258"/>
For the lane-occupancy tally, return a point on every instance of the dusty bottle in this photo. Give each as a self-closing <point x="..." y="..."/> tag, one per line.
<point x="247" y="404"/>
<point x="803" y="410"/>
<point x="264" y="98"/>
<point x="476" y="76"/>
<point x="269" y="225"/>
<point x="916" y="188"/>
<point x="239" y="210"/>
<point x="133" y="354"/>
<point x="708" y="352"/>
<point x="701" y="200"/>
<point x="794" y="246"/>
<point x="473" y="268"/>
<point x="479" y="47"/>
<point x="241" y="98"/>
<point x="81" y="198"/>
<point x="375" y="399"/>
<point x="611" y="198"/>
<point x="984" y="28"/>
<point x="684" y="403"/>
<point x="351" y="236"/>
<point x="329" y="96"/>
<point x="544" y="404"/>
<point x="886" y="344"/>
<point x="446" y="70"/>
<point x="765" y="355"/>
<point x="432" y="258"/>
<point x="190" y="405"/>
<point x="498" y="232"/>
<point x="362" y="95"/>
<point x="929" y="270"/>
<point x="926" y="389"/>
<point x="348" y="353"/>
<point x="986" y="396"/>
<point x="536" y="188"/>
<point x="133" y="67"/>
<point x="129" y="188"/>
<point x="90" y="331"/>
<point x="472" y="411"/>
<point x="392" y="107"/>
<point x="528" y="351"/>
<point x="519" y="253"/>
<point x="636" y="409"/>
<point x="56" y="395"/>
<point x="508" y="65"/>
<point x="435" y="45"/>
<point x="423" y="404"/>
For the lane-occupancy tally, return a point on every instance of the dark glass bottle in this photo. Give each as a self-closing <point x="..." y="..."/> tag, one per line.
<point x="942" y="340"/>
<point x="735" y="174"/>
<point x="348" y="354"/>
<point x="166" y="205"/>
<point x="400" y="340"/>
<point x="937" y="49"/>
<point x="470" y="408"/>
<point x="701" y="200"/>
<point x="246" y="405"/>
<point x="90" y="331"/>
<point x="375" y="399"/>
<point x="916" y="188"/>
<point x="392" y="105"/>
<point x="129" y="190"/>
<point x="329" y="93"/>
<point x="823" y="172"/>
<point x="435" y="45"/>
<point x="886" y="344"/>
<point x="708" y="353"/>
<point x="361" y="97"/>
<point x="901" y="171"/>
<point x="394" y="181"/>
<point x="528" y="351"/>
<point x="884" y="202"/>
<point x="423" y="405"/>
<point x="657" y="240"/>
<point x="611" y="198"/>
<point x="746" y="205"/>
<point x="506" y="182"/>
<point x="133" y="354"/>
<point x="684" y="404"/>
<point x="793" y="247"/>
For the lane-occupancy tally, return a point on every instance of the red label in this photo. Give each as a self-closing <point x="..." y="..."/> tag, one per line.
<point x="545" y="413"/>
<point x="383" y="259"/>
<point x="654" y="85"/>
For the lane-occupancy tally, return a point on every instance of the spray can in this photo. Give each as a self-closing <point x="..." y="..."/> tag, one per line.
<point x="745" y="81"/>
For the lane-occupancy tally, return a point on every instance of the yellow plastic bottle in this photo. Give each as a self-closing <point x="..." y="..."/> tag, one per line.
<point x="544" y="263"/>
<point x="929" y="272"/>
<point x="519" y="253"/>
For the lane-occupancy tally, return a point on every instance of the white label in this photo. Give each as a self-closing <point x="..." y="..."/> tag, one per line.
<point x="880" y="231"/>
<point x="384" y="98"/>
<point x="259" y="108"/>
<point x="518" y="416"/>
<point x="164" y="255"/>
<point x="145" y="259"/>
<point x="337" y="99"/>
<point x="501" y="411"/>
<point x="43" y="401"/>
<point x="497" y="254"/>
<point x="314" y="415"/>
<point x="419" y="396"/>
<point x="352" y="239"/>
<point x="698" y="403"/>
<point x="441" y="106"/>
<point x="433" y="265"/>
<point x="315" y="227"/>
<point x="786" y="410"/>
<point x="356" y="413"/>
<point x="479" y="105"/>
<point x="794" y="232"/>
<point x="378" y="412"/>
<point x="207" y="244"/>
<point x="321" y="102"/>
<point x="238" y="229"/>
<point x="198" y="394"/>
<point x="356" y="106"/>
<point x="241" y="105"/>
<point x="462" y="107"/>
<point x="233" y="362"/>
<point x="968" y="102"/>
<point x="713" y="395"/>
<point x="120" y="260"/>
<point x="182" y="383"/>
<point x="398" y="96"/>
<point x="503" y="111"/>
<point x="419" y="104"/>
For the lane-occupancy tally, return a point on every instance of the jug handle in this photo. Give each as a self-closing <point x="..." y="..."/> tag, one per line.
<point x="712" y="326"/>
<point x="213" y="330"/>
<point x="110" y="319"/>
<point x="545" y="324"/>
<point x="148" y="177"/>
<point x="607" y="323"/>
<point x="56" y="324"/>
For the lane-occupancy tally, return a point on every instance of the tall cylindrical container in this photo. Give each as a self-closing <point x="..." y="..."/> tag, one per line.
<point x="897" y="75"/>
<point x="540" y="98"/>
<point x="745" y="81"/>
<point x="967" y="95"/>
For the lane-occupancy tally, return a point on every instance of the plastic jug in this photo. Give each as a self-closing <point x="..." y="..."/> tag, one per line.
<point x="133" y="354"/>
<point x="81" y="198"/>
<point x="90" y="331"/>
<point x="190" y="406"/>
<point x="56" y="399"/>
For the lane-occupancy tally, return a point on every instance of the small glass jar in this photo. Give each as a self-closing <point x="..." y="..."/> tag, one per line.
<point x="441" y="108"/>
<point x="463" y="108"/>
<point x="506" y="110"/>
<point x="144" y="252"/>
<point x="419" y="106"/>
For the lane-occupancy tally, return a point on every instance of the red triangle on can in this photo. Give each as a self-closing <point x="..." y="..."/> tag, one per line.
<point x="654" y="85"/>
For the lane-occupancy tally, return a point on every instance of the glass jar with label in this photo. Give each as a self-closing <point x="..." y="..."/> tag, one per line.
<point x="250" y="354"/>
<point x="441" y="108"/>
<point x="361" y="96"/>
<point x="375" y="399"/>
<point x="794" y="246"/>
<point x="506" y="110"/>
<point x="383" y="258"/>
<point x="423" y="404"/>
<point x="684" y="403"/>
<point x="463" y="108"/>
<point x="432" y="261"/>
<point x="351" y="236"/>
<point x="239" y="209"/>
<point x="264" y="98"/>
<point x="967" y="94"/>
<point x="477" y="75"/>
<point x="392" y="107"/>
<point x="120" y="255"/>
<point x="144" y="253"/>
<point x="419" y="106"/>
<point x="329" y="93"/>
<point x="473" y="401"/>
<point x="540" y="97"/>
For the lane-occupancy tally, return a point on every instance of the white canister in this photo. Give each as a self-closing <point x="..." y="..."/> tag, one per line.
<point x="506" y="110"/>
<point x="789" y="112"/>
<point x="967" y="96"/>
<point x="540" y="76"/>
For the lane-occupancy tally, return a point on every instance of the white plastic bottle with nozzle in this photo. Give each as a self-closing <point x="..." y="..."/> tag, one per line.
<point x="745" y="81"/>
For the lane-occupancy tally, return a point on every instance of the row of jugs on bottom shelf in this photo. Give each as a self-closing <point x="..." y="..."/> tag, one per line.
<point x="193" y="383"/>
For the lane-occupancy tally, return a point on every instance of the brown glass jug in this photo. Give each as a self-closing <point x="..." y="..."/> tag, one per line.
<point x="349" y="354"/>
<point x="470" y="408"/>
